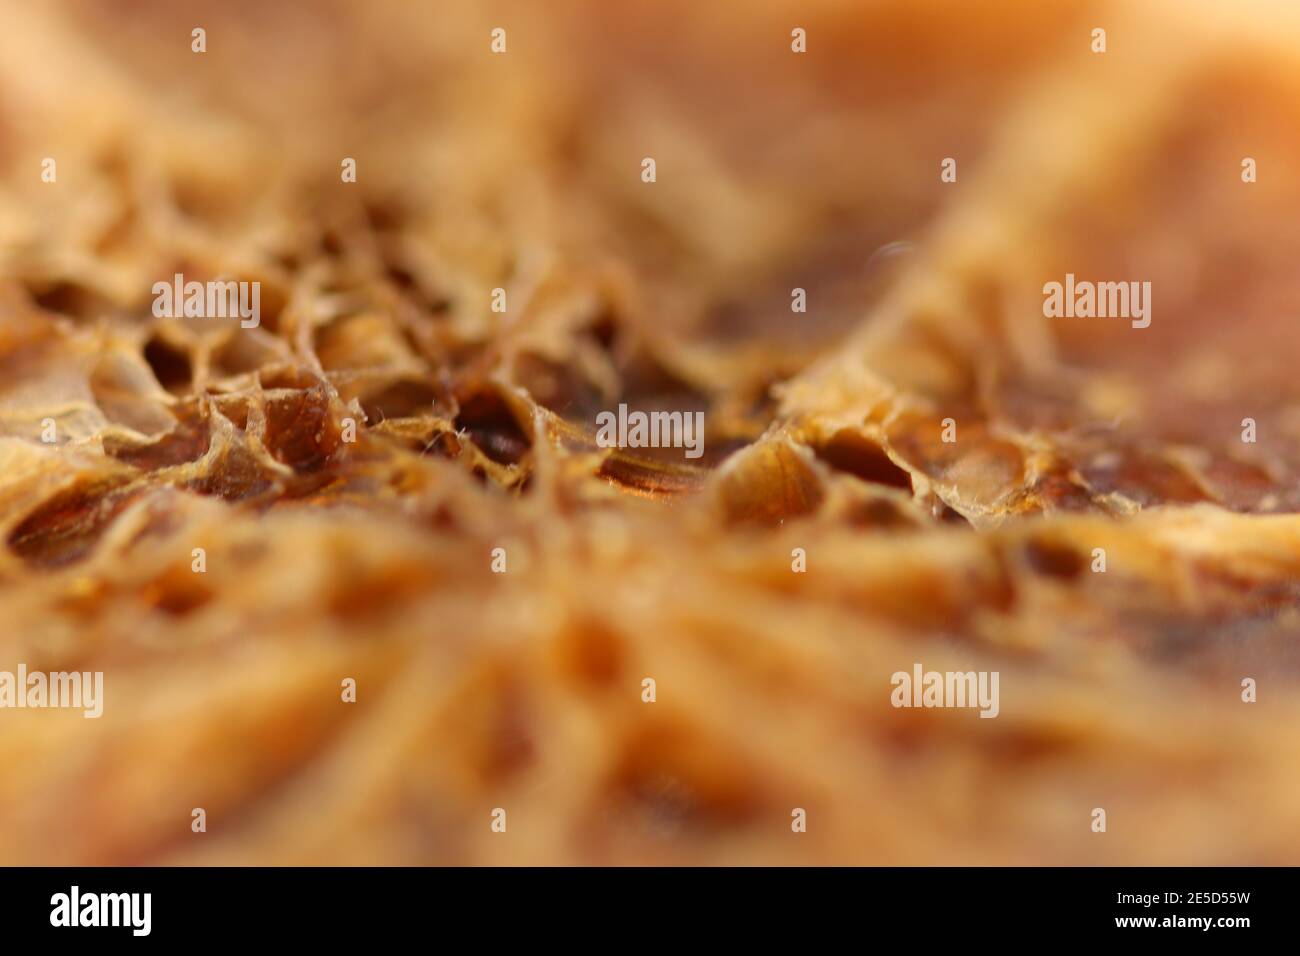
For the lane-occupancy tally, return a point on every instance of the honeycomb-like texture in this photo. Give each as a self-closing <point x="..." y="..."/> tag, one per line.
<point x="329" y="558"/>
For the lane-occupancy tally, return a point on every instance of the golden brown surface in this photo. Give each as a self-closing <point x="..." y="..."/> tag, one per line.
<point x="328" y="559"/>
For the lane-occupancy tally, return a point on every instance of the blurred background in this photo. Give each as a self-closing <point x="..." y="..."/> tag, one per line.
<point x="776" y="170"/>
